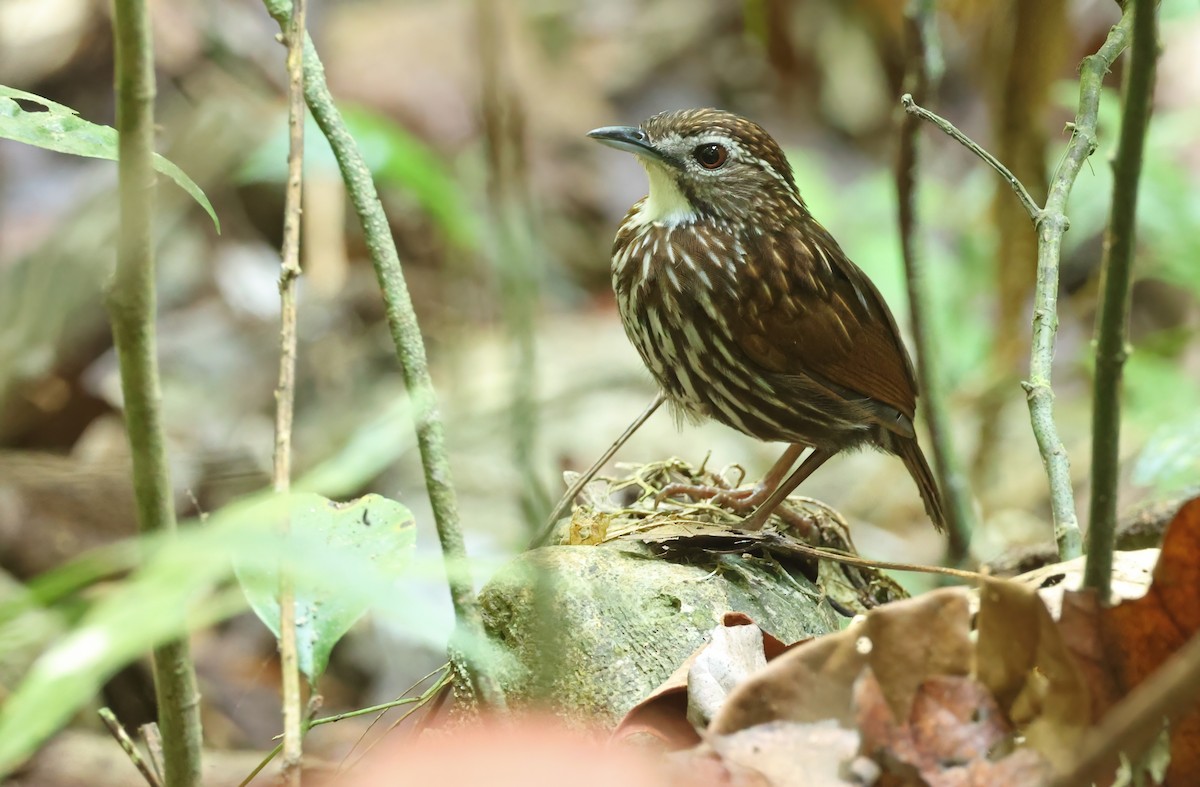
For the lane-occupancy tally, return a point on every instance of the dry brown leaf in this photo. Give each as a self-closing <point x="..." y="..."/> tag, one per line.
<point x="1080" y="627"/>
<point x="1121" y="646"/>
<point x="1022" y="659"/>
<point x="954" y="726"/>
<point x="916" y="639"/>
<point x="807" y="684"/>
<point x="733" y="654"/>
<point x="1022" y="768"/>
<point x="1132" y="573"/>
<point x="661" y="717"/>
<point x="903" y="642"/>
<point x="787" y="754"/>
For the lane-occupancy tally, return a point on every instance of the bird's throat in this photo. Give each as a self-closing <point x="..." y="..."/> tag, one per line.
<point x="666" y="205"/>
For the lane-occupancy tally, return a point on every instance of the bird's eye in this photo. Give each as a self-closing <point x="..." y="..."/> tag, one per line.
<point x="710" y="156"/>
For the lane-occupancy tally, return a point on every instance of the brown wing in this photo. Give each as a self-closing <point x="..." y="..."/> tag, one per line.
<point x="808" y="310"/>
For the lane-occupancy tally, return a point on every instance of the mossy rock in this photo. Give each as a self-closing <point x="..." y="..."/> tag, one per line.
<point x="591" y="630"/>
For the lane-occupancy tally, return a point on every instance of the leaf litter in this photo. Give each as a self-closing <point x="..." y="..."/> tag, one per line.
<point x="955" y="687"/>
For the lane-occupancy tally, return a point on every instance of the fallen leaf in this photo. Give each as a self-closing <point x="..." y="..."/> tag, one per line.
<point x="662" y="717"/>
<point x="1121" y="646"/>
<point x="1132" y="572"/>
<point x="904" y="643"/>
<point x="733" y="653"/>
<point x="809" y="683"/>
<point x="788" y="754"/>
<point x="1023" y="661"/>
<point x="916" y="639"/>
<point x="953" y="729"/>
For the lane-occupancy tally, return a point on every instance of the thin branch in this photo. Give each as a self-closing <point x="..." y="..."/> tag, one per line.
<point x="419" y="701"/>
<point x="934" y="409"/>
<point x="1052" y="223"/>
<point x="430" y="693"/>
<point x="410" y="352"/>
<point x="1137" y="719"/>
<point x="285" y="391"/>
<point x="131" y="307"/>
<point x="573" y="491"/>
<point x="154" y="747"/>
<point x="911" y="107"/>
<point x="135" y="756"/>
<point x="1112" y="319"/>
<point x="1051" y="228"/>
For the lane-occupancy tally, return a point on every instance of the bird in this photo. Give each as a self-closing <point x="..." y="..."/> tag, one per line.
<point x="746" y="310"/>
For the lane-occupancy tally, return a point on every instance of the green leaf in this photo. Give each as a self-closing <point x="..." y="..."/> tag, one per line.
<point x="60" y="129"/>
<point x="372" y="529"/>
<point x="183" y="584"/>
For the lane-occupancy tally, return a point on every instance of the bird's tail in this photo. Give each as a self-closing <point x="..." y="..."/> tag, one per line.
<point x="908" y="450"/>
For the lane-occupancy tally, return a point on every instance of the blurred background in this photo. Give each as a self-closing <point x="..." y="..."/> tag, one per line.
<point x="472" y="116"/>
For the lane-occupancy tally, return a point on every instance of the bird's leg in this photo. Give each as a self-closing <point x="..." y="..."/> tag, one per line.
<point x="781" y="491"/>
<point x="742" y="500"/>
<point x="739" y="500"/>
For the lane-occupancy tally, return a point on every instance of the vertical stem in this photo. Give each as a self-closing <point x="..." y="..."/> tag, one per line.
<point x="951" y="478"/>
<point x="285" y="392"/>
<point x="1112" y="318"/>
<point x="131" y="306"/>
<point x="1051" y="225"/>
<point x="410" y="352"/>
<point x="516" y="254"/>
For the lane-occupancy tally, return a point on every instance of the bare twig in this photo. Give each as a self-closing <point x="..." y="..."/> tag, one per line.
<point x="573" y="491"/>
<point x="410" y="352"/>
<point x="154" y="747"/>
<point x="131" y="307"/>
<point x="135" y="756"/>
<point x="951" y="478"/>
<point x="285" y="391"/>
<point x="1051" y="228"/>
<point x="1112" y="319"/>
<point x="910" y="106"/>
<point x="1051" y="222"/>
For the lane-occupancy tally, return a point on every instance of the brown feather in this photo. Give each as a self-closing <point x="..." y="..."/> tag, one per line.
<point x="843" y="336"/>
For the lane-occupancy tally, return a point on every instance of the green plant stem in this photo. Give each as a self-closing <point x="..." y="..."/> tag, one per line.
<point x="1112" y="319"/>
<point x="1051" y="223"/>
<point x="951" y="478"/>
<point x="515" y="250"/>
<point x="1051" y="226"/>
<point x="131" y="308"/>
<point x="381" y="709"/>
<point x="285" y="392"/>
<point x="410" y="352"/>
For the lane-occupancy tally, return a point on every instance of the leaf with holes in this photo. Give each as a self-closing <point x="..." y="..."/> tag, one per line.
<point x="370" y="528"/>
<point x="59" y="128"/>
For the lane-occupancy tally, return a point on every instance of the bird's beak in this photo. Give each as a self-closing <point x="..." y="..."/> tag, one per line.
<point x="627" y="138"/>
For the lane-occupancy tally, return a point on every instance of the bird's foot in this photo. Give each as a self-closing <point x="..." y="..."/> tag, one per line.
<point x="737" y="500"/>
<point x="744" y="501"/>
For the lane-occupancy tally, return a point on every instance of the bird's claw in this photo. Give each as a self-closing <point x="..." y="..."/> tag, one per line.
<point x="737" y="500"/>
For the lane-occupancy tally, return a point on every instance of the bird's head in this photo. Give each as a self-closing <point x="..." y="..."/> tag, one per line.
<point x="706" y="164"/>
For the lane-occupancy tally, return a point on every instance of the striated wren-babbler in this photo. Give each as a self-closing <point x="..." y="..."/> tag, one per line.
<point x="746" y="310"/>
